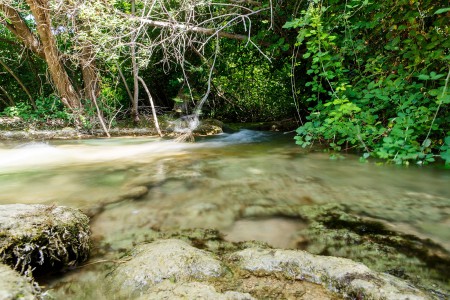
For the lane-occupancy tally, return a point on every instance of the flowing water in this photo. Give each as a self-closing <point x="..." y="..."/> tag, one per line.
<point x="246" y="184"/>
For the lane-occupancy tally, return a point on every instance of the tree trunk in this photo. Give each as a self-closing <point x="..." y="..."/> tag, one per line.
<point x="19" y="28"/>
<point x="134" y="111"/>
<point x="63" y="85"/>
<point x="91" y="79"/>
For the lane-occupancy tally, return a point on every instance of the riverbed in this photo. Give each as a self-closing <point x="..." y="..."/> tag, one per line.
<point x="248" y="185"/>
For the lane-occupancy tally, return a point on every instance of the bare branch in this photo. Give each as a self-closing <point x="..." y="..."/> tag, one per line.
<point x="22" y="85"/>
<point x="150" y="99"/>
<point x="251" y="2"/>
<point x="11" y="101"/>
<point x="189" y="28"/>
<point x="124" y="82"/>
<point x="99" y="114"/>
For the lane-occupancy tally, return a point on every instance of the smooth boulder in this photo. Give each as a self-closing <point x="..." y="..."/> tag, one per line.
<point x="164" y="260"/>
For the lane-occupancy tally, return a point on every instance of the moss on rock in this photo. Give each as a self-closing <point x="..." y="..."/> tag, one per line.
<point x="153" y="263"/>
<point x="254" y="269"/>
<point x="14" y="286"/>
<point x="331" y="231"/>
<point x="43" y="238"/>
<point x="347" y="277"/>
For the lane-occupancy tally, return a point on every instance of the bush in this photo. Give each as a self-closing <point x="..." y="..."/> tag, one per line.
<point x="47" y="108"/>
<point x="369" y="85"/>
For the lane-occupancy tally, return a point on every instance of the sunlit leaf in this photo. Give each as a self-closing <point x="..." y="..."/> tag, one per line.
<point x="442" y="10"/>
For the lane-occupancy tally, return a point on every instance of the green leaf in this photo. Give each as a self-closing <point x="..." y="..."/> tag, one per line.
<point x="435" y="76"/>
<point x="442" y="10"/>
<point x="447" y="140"/>
<point x="426" y="143"/>
<point x="423" y="77"/>
<point x="446" y="156"/>
<point x="434" y="92"/>
<point x="445" y="99"/>
<point x="292" y="24"/>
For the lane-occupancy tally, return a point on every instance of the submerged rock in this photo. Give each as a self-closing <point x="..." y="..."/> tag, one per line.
<point x="42" y="237"/>
<point x="134" y="192"/>
<point x="151" y="264"/>
<point x="192" y="291"/>
<point x="15" y="286"/>
<point x="349" y="278"/>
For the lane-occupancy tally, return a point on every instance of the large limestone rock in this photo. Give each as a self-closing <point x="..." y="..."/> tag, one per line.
<point x="151" y="264"/>
<point x="173" y="269"/>
<point x="14" y="286"/>
<point x="42" y="237"/>
<point x="345" y="276"/>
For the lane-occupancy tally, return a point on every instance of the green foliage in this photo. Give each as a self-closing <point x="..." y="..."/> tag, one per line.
<point x="376" y="78"/>
<point x="47" y="109"/>
<point x="111" y="99"/>
<point x="250" y="88"/>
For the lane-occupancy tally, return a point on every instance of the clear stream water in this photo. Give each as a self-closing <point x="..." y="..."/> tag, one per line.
<point x="216" y="183"/>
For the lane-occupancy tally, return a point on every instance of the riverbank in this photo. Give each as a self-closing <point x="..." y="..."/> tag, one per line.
<point x="17" y="129"/>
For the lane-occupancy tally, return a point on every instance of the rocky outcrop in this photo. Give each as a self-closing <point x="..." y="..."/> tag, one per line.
<point x="174" y="269"/>
<point x="172" y="260"/>
<point x="42" y="237"/>
<point x="14" y="286"/>
<point x="342" y="275"/>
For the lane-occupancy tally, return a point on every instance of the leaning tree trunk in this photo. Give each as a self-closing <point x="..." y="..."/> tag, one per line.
<point x="91" y="79"/>
<point x="17" y="25"/>
<point x="63" y="85"/>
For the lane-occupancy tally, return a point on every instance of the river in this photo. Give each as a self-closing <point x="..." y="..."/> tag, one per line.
<point x="247" y="184"/>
